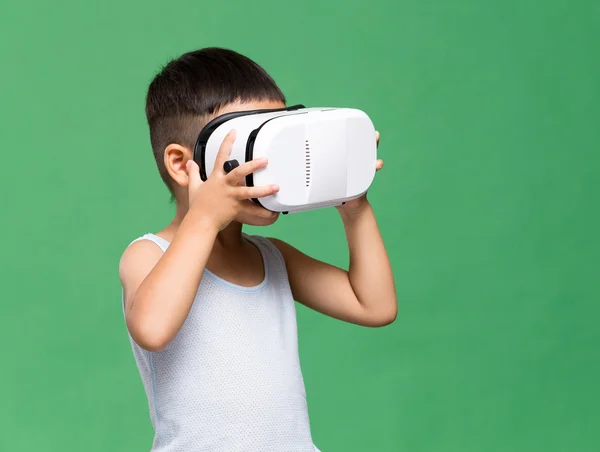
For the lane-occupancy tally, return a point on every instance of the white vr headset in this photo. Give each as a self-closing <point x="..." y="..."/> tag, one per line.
<point x="319" y="157"/>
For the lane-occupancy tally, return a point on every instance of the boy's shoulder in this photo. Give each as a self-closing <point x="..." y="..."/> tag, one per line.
<point x="140" y="256"/>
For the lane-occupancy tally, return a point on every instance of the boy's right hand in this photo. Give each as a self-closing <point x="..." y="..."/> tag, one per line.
<point x="224" y="195"/>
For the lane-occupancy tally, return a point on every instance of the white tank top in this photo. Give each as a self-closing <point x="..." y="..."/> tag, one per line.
<point x="230" y="381"/>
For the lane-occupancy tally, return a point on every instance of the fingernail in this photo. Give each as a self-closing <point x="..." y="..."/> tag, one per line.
<point x="275" y="187"/>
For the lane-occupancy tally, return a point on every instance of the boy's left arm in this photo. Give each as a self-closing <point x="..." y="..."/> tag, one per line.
<point x="365" y="294"/>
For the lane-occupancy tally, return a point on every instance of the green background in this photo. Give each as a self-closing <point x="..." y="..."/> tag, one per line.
<point x="490" y="121"/>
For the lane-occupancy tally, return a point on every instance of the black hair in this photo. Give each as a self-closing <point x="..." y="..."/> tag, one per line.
<point x="190" y="89"/>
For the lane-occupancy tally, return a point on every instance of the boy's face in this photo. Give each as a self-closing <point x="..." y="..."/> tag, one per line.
<point x="176" y="157"/>
<point x="244" y="217"/>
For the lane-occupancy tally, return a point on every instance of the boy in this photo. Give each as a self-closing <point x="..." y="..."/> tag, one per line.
<point x="209" y="310"/>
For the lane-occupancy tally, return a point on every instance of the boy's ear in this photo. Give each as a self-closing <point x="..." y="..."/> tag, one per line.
<point x="176" y="157"/>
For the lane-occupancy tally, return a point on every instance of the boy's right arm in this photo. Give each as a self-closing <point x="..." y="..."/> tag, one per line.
<point x="159" y="289"/>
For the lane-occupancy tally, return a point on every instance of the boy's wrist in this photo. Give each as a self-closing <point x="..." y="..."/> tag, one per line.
<point x="351" y="214"/>
<point x="198" y="221"/>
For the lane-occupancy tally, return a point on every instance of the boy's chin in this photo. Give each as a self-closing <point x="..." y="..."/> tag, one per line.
<point x="252" y="220"/>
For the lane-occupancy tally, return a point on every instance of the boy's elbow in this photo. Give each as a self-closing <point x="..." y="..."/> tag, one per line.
<point x="149" y="336"/>
<point x="152" y="343"/>
<point x="385" y="317"/>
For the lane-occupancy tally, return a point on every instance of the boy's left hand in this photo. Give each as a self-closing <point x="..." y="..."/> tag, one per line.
<point x="364" y="294"/>
<point x="355" y="206"/>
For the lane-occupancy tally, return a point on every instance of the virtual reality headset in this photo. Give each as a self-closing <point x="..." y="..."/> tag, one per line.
<point x="319" y="157"/>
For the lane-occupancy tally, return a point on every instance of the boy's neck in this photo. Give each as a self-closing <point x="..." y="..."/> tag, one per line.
<point x="230" y="237"/>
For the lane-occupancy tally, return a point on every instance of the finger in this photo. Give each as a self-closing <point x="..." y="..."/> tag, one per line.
<point x="256" y="192"/>
<point x="225" y="151"/>
<point x="193" y="171"/>
<point x="249" y="208"/>
<point x="247" y="168"/>
<point x="379" y="165"/>
<point x="377" y="135"/>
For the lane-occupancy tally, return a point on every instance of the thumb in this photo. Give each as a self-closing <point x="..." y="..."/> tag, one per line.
<point x="193" y="171"/>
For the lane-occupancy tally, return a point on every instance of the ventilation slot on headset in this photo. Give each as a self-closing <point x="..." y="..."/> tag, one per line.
<point x="307" y="163"/>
